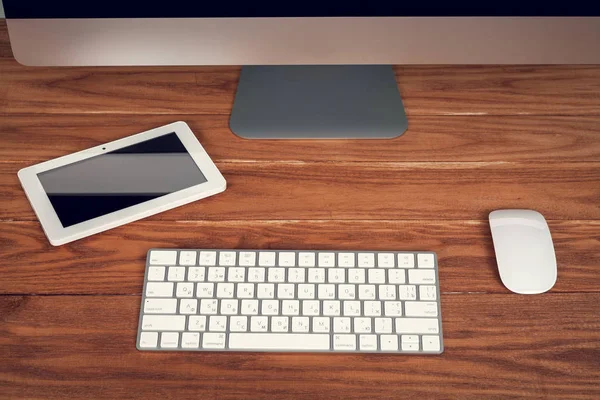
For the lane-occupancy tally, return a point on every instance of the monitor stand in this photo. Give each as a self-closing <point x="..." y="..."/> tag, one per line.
<point x="318" y="102"/>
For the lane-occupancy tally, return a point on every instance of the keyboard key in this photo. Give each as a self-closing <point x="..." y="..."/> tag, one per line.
<point x="280" y="324"/>
<point x="276" y="275"/>
<point x="188" y="306"/>
<point x="208" y="306"/>
<point x="352" y="308"/>
<point x="176" y="274"/>
<point x="417" y="325"/>
<point x="187" y="258"/>
<point x="236" y="274"/>
<point x="249" y="307"/>
<point x="197" y="323"/>
<point x="265" y="290"/>
<point x="368" y="342"/>
<point x="300" y="324"/>
<point x="389" y="343"/>
<point x="227" y="258"/>
<point x="184" y="289"/>
<point x="306" y="259"/>
<point x="266" y="258"/>
<point x="393" y="308"/>
<point x="245" y="290"/>
<point x="344" y="342"/>
<point x="331" y="307"/>
<point x="247" y="258"/>
<point x="341" y="324"/>
<point x="410" y="346"/>
<point x="321" y="324"/>
<point x="396" y="276"/>
<point x="366" y="292"/>
<point x="159" y="289"/>
<point x="407" y="292"/>
<point x="163" y="257"/>
<point x="290" y="307"/>
<point x="420" y="309"/>
<point x="258" y="324"/>
<point x="427" y="292"/>
<point x="372" y="308"/>
<point x="356" y="275"/>
<point x="326" y="259"/>
<point x="160" y="306"/>
<point x="286" y="291"/>
<point x="148" y="340"/>
<point x="421" y="276"/>
<point x="216" y="274"/>
<point x="326" y="291"/>
<point x="406" y="260"/>
<point x="229" y="306"/>
<point x="278" y="341"/>
<point x="196" y="274"/>
<point x="383" y="325"/>
<point x="311" y="307"/>
<point x="190" y="340"/>
<point x="362" y="325"/>
<point x="431" y="343"/>
<point x="169" y="340"/>
<point x="217" y="323"/>
<point x="366" y="260"/>
<point x="213" y="340"/>
<point x="316" y="275"/>
<point x="387" y="292"/>
<point x="287" y="259"/>
<point x="270" y="307"/>
<point x="346" y="259"/>
<point x="336" y="275"/>
<point x="296" y="275"/>
<point x="225" y="290"/>
<point x="156" y="273"/>
<point x="256" y="274"/>
<point x="425" y="260"/>
<point x="385" y="260"/>
<point x="306" y="291"/>
<point x="410" y="339"/>
<point x="347" y="292"/>
<point x="205" y="290"/>
<point x="208" y="258"/>
<point x="376" y="276"/>
<point x="163" y="322"/>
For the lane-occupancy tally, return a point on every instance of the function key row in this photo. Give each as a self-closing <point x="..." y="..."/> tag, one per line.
<point x="292" y="259"/>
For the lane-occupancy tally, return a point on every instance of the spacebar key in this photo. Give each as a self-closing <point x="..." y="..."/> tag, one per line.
<point x="276" y="341"/>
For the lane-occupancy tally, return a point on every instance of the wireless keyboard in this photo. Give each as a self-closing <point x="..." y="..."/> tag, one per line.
<point x="306" y="301"/>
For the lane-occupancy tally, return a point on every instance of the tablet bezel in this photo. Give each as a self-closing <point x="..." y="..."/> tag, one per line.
<point x="58" y="235"/>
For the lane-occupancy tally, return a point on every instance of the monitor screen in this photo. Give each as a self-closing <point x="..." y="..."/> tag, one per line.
<point x="199" y="9"/>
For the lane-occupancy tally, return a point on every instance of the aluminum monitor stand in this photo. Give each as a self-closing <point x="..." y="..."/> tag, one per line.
<point x="318" y="102"/>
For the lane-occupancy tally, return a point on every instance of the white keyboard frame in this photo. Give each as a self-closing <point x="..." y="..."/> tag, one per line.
<point x="331" y="333"/>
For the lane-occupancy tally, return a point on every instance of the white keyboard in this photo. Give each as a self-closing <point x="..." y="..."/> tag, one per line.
<point x="307" y="301"/>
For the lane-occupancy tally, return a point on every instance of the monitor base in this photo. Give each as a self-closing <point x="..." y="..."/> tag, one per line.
<point x="318" y="102"/>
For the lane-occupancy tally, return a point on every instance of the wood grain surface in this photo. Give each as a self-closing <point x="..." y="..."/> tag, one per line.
<point x="480" y="138"/>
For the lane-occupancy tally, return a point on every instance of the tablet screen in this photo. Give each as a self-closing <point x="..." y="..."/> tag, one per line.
<point x="119" y="179"/>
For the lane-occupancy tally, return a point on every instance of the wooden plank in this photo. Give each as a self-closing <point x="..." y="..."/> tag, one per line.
<point x="430" y="191"/>
<point x="5" y="50"/>
<point x="441" y="138"/>
<point x="105" y="264"/>
<point x="496" y="346"/>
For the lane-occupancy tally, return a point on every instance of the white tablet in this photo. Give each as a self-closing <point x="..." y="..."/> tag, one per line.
<point x="119" y="182"/>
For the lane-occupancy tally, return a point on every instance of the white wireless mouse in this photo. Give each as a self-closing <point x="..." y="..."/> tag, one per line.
<point x="524" y="250"/>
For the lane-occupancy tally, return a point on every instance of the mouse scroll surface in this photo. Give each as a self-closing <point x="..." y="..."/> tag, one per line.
<point x="524" y="251"/>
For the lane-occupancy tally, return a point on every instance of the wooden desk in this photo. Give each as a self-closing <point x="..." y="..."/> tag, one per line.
<point x="480" y="139"/>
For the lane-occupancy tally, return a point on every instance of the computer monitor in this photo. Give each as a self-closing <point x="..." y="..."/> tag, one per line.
<point x="310" y="71"/>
